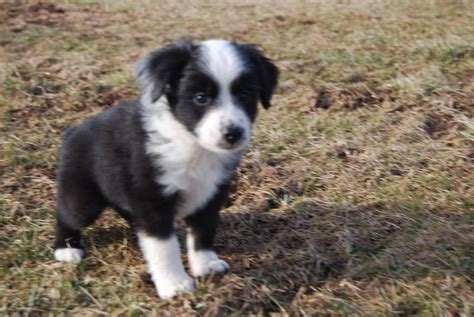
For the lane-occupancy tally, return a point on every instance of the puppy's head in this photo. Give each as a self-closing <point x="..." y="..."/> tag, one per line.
<point x="211" y="88"/>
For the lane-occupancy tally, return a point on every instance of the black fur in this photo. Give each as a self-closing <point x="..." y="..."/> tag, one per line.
<point x="163" y="69"/>
<point x="266" y="72"/>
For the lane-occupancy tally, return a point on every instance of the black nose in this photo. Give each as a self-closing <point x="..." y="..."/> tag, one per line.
<point x="233" y="134"/>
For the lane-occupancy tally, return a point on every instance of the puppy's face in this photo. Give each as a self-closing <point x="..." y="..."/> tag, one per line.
<point x="212" y="89"/>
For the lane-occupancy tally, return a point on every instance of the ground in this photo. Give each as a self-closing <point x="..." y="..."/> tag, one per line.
<point x="356" y="197"/>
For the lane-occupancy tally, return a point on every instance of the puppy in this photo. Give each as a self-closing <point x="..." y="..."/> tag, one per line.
<point x="170" y="153"/>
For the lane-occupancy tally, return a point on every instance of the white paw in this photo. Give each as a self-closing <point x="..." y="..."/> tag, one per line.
<point x="206" y="262"/>
<point x="217" y="266"/>
<point x="72" y="255"/>
<point x="167" y="289"/>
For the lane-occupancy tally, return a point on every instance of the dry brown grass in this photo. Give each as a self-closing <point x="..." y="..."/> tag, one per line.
<point x="356" y="197"/>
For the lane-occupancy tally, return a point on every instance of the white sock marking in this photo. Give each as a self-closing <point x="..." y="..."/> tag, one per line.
<point x="164" y="264"/>
<point x="72" y="255"/>
<point x="204" y="262"/>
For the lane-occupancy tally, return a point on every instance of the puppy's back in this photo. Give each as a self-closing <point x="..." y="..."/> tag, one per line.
<point x="100" y="149"/>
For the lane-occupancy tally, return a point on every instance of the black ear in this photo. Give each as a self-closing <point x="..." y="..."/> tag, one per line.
<point x="267" y="73"/>
<point x="159" y="72"/>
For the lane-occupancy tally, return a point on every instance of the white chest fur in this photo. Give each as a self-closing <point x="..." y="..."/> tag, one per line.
<point x="192" y="172"/>
<point x="185" y="167"/>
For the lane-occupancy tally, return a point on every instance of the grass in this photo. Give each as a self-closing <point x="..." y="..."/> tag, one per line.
<point x="356" y="197"/>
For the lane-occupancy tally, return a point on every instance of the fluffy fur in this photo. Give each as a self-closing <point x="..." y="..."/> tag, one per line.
<point x="170" y="153"/>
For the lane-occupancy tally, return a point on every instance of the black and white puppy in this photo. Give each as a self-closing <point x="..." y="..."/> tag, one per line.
<point x="170" y="153"/>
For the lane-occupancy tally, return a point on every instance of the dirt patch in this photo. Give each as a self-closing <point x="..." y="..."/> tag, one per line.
<point x="468" y="77"/>
<point x="467" y="84"/>
<point x="19" y="14"/>
<point x="350" y="99"/>
<point x="435" y="125"/>
<point x="442" y="125"/>
<point x="114" y="97"/>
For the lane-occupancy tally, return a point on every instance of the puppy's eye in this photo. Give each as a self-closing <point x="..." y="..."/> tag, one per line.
<point x="201" y="99"/>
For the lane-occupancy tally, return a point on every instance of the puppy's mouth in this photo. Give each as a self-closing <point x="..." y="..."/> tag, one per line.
<point x="233" y="147"/>
<point x="224" y="147"/>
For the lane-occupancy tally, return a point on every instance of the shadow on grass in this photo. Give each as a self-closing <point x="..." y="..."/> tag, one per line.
<point x="313" y="244"/>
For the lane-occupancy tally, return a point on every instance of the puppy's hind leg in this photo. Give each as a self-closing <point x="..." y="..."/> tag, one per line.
<point x="79" y="204"/>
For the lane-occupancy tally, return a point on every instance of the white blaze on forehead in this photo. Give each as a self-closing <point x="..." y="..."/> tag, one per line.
<point x="221" y="61"/>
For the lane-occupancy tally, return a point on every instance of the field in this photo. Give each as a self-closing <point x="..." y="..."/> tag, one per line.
<point x="356" y="197"/>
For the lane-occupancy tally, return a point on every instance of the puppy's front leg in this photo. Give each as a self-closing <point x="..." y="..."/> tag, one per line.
<point x="160" y="248"/>
<point x="202" y="226"/>
<point x="163" y="259"/>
